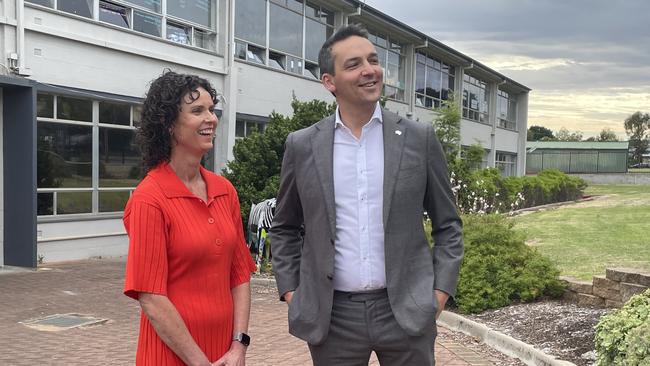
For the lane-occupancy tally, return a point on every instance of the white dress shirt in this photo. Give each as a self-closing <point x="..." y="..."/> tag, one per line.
<point x="358" y="194"/>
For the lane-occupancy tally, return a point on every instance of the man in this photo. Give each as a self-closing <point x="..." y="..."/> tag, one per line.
<point x="349" y="250"/>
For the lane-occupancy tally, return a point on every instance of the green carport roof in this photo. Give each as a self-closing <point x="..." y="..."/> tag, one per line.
<point x="577" y="145"/>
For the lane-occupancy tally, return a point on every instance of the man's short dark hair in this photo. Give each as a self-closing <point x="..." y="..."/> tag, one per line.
<point x="325" y="57"/>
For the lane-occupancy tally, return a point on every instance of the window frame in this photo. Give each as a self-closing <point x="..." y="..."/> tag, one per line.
<point x="95" y="189"/>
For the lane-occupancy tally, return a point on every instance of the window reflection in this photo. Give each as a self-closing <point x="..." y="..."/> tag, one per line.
<point x="285" y="30"/>
<point x="64" y="155"/>
<point x="73" y="202"/>
<point x="83" y="8"/>
<point x="74" y="109"/>
<point x="119" y="158"/>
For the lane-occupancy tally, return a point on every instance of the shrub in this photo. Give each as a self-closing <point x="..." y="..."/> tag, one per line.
<point x="623" y="336"/>
<point x="499" y="268"/>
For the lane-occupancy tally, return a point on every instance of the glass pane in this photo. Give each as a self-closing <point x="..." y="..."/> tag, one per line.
<point x="327" y="16"/>
<point x="294" y="65"/>
<point x="312" y="71"/>
<point x="178" y="33"/>
<point x="114" y="14"/>
<point x="250" y="20"/>
<point x="277" y="60"/>
<point x="381" y="41"/>
<point x="312" y="10"/>
<point x="256" y="54"/>
<point x="48" y="3"/>
<point x="148" y="4"/>
<point x="112" y="201"/>
<point x="45" y="204"/>
<point x="83" y="8"/>
<point x="205" y="40"/>
<point x="73" y="202"/>
<point x="147" y="23"/>
<point x="240" y="50"/>
<point x="137" y="115"/>
<point x="197" y="11"/>
<point x="119" y="158"/>
<point x="45" y="105"/>
<point x="295" y="5"/>
<point x="433" y="83"/>
<point x="64" y="156"/>
<point x="115" y="113"/>
<point x="75" y="109"/>
<point x="392" y="75"/>
<point x="240" y="129"/>
<point x="315" y="35"/>
<point x="285" y="30"/>
<point x="419" y="78"/>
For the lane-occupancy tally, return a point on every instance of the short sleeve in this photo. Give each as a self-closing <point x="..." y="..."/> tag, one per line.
<point x="146" y="265"/>
<point x="242" y="262"/>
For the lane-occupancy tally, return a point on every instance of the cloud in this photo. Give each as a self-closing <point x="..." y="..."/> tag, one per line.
<point x="587" y="61"/>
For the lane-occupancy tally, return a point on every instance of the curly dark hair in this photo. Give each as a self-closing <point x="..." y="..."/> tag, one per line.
<point x="160" y="110"/>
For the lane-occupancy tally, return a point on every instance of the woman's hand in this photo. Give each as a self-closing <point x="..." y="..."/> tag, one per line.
<point x="236" y="356"/>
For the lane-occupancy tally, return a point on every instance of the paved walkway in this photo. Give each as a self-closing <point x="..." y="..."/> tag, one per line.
<point x="94" y="288"/>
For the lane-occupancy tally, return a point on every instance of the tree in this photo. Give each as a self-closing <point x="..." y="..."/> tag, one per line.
<point x="607" y="135"/>
<point x="564" y="135"/>
<point x="255" y="170"/>
<point x="447" y="126"/>
<point x="539" y="133"/>
<point x="636" y="127"/>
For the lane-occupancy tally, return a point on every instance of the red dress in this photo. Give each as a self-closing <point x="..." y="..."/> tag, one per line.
<point x="191" y="251"/>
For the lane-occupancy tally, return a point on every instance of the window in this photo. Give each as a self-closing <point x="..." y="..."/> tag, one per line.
<point x="247" y="124"/>
<point x="66" y="129"/>
<point x="506" y="163"/>
<point x="286" y="34"/>
<point x="434" y="81"/>
<point x="190" y="22"/>
<point x="250" y="21"/>
<point x="392" y="61"/>
<point x="83" y="8"/>
<point x="114" y="14"/>
<point x="179" y="33"/>
<point x="506" y="110"/>
<point x="475" y="99"/>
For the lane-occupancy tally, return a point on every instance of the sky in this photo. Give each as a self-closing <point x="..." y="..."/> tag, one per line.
<point x="586" y="61"/>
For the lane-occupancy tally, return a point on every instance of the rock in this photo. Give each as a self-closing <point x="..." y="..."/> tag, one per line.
<point x="583" y="287"/>
<point x="590" y="356"/>
<point x="590" y="300"/>
<point x="613" y="304"/>
<point x="628" y="275"/>
<point x="628" y="290"/>
<point x="606" y="288"/>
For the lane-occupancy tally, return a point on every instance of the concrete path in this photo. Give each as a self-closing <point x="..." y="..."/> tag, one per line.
<point x="94" y="287"/>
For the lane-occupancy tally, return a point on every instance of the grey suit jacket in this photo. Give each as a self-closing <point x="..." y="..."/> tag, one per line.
<point x="415" y="179"/>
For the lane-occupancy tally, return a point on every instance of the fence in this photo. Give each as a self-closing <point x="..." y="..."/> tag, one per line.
<point x="571" y="161"/>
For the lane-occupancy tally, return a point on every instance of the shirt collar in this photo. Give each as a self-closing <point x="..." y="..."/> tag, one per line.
<point x="172" y="186"/>
<point x="376" y="115"/>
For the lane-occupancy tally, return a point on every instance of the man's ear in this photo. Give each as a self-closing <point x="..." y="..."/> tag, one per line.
<point x="328" y="82"/>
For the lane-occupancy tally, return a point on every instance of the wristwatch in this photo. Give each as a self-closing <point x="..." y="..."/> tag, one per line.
<point x="242" y="338"/>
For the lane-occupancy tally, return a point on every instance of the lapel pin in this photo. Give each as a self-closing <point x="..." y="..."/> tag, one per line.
<point x="398" y="132"/>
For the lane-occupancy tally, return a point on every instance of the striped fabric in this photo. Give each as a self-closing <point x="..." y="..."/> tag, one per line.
<point x="191" y="251"/>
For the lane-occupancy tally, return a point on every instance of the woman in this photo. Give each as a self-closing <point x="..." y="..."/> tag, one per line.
<point x="188" y="264"/>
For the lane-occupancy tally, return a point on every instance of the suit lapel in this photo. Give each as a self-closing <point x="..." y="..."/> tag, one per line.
<point x="394" y="136"/>
<point x="322" y="143"/>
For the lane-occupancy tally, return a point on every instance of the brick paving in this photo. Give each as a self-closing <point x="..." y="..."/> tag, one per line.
<point x="94" y="287"/>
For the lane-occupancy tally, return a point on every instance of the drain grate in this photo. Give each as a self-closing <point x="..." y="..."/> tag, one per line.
<point x="58" y="322"/>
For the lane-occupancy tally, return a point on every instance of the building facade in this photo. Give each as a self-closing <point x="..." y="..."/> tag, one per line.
<point x="75" y="71"/>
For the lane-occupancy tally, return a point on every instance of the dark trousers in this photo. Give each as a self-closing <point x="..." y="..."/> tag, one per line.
<point x="364" y="322"/>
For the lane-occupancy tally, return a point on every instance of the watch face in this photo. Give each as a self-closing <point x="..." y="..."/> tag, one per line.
<point x="243" y="338"/>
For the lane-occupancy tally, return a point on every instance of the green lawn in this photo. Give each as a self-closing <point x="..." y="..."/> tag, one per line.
<point x="584" y="238"/>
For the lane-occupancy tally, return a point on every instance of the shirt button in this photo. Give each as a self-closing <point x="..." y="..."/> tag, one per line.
<point x="218" y="241"/>
<point x="210" y="220"/>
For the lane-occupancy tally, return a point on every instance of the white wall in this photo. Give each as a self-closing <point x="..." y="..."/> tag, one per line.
<point x="70" y="240"/>
<point x="473" y="132"/>
<point x="262" y="90"/>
